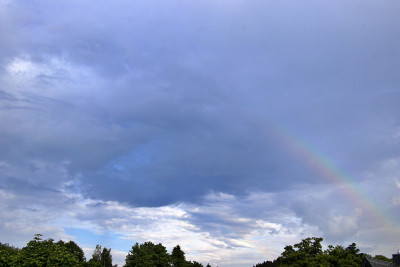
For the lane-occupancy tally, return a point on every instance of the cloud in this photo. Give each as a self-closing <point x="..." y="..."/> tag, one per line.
<point x="119" y="226"/>
<point x="340" y="226"/>
<point x="191" y="121"/>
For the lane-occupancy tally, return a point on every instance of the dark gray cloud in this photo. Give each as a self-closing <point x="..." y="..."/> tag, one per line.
<point x="191" y="93"/>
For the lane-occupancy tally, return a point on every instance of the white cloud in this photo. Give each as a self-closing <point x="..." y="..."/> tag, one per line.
<point x="344" y="225"/>
<point x="53" y="77"/>
<point x="254" y="241"/>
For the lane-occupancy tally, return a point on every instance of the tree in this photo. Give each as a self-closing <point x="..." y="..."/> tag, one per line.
<point x="265" y="264"/>
<point x="147" y="254"/>
<point x="382" y="258"/>
<point x="340" y="256"/>
<point x="101" y="257"/>
<point x="74" y="249"/>
<point x="96" y="256"/>
<point x="310" y="246"/>
<point x="178" y="257"/>
<point x="40" y="252"/>
<point x="306" y="253"/>
<point x="192" y="264"/>
<point x="309" y="253"/>
<point x="106" y="257"/>
<point x="8" y="255"/>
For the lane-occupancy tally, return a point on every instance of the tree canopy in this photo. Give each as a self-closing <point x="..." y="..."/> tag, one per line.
<point x="178" y="257"/>
<point x="39" y="252"/>
<point x="309" y="253"/>
<point x="101" y="258"/>
<point x="45" y="252"/>
<point x="147" y="254"/>
<point x="151" y="255"/>
<point x="8" y="254"/>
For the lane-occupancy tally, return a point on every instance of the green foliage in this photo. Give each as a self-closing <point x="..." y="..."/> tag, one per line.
<point x="40" y="252"/>
<point x="101" y="257"/>
<point x="339" y="256"/>
<point x="150" y="255"/>
<point x="147" y="255"/>
<point x="178" y="257"/>
<point x="193" y="264"/>
<point x="309" y="253"/>
<point x="382" y="258"/>
<point x="8" y="255"/>
<point x="74" y="249"/>
<point x="97" y="253"/>
<point x="43" y="253"/>
<point x="265" y="264"/>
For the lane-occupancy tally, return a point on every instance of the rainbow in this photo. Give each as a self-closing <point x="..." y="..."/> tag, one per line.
<point x="321" y="165"/>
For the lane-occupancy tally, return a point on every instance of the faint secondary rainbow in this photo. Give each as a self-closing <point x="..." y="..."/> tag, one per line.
<point x="326" y="169"/>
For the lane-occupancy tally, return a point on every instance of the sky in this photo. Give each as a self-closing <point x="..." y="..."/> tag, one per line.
<point x="231" y="128"/>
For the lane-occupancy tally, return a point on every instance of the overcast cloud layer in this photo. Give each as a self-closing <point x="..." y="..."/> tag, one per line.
<point x="232" y="128"/>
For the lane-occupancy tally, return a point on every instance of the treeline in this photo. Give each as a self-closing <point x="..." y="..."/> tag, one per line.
<point x="39" y="252"/>
<point x="309" y="253"/>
